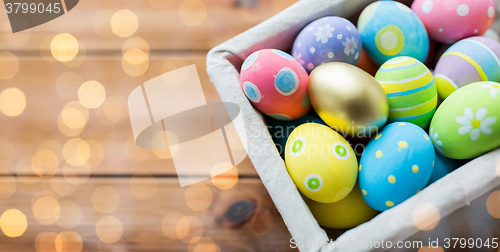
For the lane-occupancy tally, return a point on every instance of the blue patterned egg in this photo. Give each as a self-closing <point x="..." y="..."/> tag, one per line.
<point x="442" y="166"/>
<point x="389" y="29"/>
<point x="328" y="39"/>
<point x="396" y="164"/>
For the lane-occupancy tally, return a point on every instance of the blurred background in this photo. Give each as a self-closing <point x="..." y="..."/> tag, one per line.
<point x="71" y="175"/>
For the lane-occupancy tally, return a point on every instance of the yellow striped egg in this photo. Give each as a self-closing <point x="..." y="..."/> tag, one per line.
<point x="410" y="89"/>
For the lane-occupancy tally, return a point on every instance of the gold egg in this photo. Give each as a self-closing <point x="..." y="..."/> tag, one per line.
<point x="348" y="99"/>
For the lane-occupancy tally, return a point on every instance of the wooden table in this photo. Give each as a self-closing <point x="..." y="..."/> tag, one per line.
<point x="76" y="174"/>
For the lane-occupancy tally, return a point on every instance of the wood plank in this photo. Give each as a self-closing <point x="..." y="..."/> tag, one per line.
<point x="47" y="94"/>
<point x="179" y="25"/>
<point x="242" y="218"/>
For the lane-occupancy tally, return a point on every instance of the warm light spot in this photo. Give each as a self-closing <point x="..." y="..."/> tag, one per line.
<point x="169" y="225"/>
<point x="493" y="204"/>
<point x="124" y="23"/>
<point x="12" y="102"/>
<point x="7" y="184"/>
<point x="9" y="65"/>
<point x="96" y="153"/>
<point x="378" y="154"/>
<point x="46" y="210"/>
<point x="13" y="223"/>
<point x="68" y="242"/>
<point x="204" y="244"/>
<point x="7" y="153"/>
<point x="79" y="58"/>
<point x="46" y="242"/>
<point x="161" y="4"/>
<point x="67" y="131"/>
<point x="137" y="43"/>
<point x="175" y="77"/>
<point x="113" y="110"/>
<point x="71" y="215"/>
<point x="430" y="249"/>
<point x="101" y="22"/>
<point x="261" y="221"/>
<point x="143" y="185"/>
<point x="76" y="152"/>
<point x="198" y="196"/>
<point x="49" y="160"/>
<point x="426" y="216"/>
<point x="189" y="229"/>
<point x="91" y="94"/>
<point x="415" y="168"/>
<point x="135" y="70"/>
<point x="135" y="57"/>
<point x="24" y="167"/>
<point x="76" y="175"/>
<point x="135" y="153"/>
<point x="224" y="178"/>
<point x="109" y="229"/>
<point x="105" y="199"/>
<point x="192" y="12"/>
<point x="62" y="187"/>
<point x="64" y="47"/>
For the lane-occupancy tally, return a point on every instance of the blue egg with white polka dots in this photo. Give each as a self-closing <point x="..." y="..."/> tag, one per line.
<point x="328" y="39"/>
<point x="396" y="164"/>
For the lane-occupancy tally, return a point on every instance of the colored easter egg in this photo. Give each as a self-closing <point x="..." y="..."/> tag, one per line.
<point x="276" y="84"/>
<point x="467" y="61"/>
<point x="410" y="89"/>
<point x="467" y="124"/>
<point x="449" y="21"/>
<point x="348" y="99"/>
<point x="442" y="166"/>
<point x="349" y="212"/>
<point x="396" y="165"/>
<point x="280" y="130"/>
<point x="389" y="29"/>
<point x="321" y="163"/>
<point x="328" y="39"/>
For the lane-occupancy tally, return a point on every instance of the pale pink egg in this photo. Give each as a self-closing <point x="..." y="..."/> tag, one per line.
<point x="276" y="84"/>
<point x="448" y="21"/>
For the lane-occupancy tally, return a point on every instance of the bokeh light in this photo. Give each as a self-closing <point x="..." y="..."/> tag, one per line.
<point x="79" y="58"/>
<point x="12" y="101"/>
<point x="76" y="152"/>
<point x="7" y="185"/>
<point x="105" y="199"/>
<point x="46" y="210"/>
<point x="124" y="23"/>
<point x="71" y="215"/>
<point x="46" y="242"/>
<point x="143" y="185"/>
<point x="73" y="118"/>
<point x="135" y="70"/>
<point x="135" y="57"/>
<point x="169" y="224"/>
<point x="13" y="223"/>
<point x="227" y="179"/>
<point x="493" y="204"/>
<point x="261" y="221"/>
<point x="189" y="229"/>
<point x="62" y="187"/>
<point x="192" y="12"/>
<point x="426" y="216"/>
<point x="68" y="242"/>
<point x="25" y="167"/>
<point x="96" y="153"/>
<point x="135" y="43"/>
<point x="9" y="65"/>
<point x="7" y="153"/>
<point x="109" y="229"/>
<point x="113" y="110"/>
<point x="198" y="196"/>
<point x="64" y="47"/>
<point x="101" y="22"/>
<point x="49" y="161"/>
<point x="135" y="153"/>
<point x="91" y="94"/>
<point x="204" y="244"/>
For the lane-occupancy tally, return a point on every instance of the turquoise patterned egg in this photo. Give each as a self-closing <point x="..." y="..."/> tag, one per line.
<point x="396" y="164"/>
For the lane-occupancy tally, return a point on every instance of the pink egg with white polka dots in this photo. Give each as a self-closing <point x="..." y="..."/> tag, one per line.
<point x="449" y="21"/>
<point x="276" y="84"/>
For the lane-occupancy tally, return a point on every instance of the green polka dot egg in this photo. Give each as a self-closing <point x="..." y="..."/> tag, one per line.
<point x="389" y="29"/>
<point x="467" y="123"/>
<point x="396" y="164"/>
<point x="410" y="89"/>
<point x="321" y="163"/>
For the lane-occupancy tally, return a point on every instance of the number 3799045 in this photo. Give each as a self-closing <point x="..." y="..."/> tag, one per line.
<point x="33" y="8"/>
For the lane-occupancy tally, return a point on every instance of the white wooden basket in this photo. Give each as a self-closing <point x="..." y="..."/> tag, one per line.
<point x="223" y="64"/>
